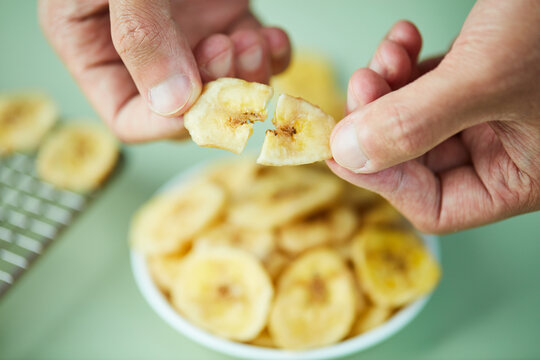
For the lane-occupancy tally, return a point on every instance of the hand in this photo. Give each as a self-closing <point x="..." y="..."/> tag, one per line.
<point x="142" y="63"/>
<point x="452" y="142"/>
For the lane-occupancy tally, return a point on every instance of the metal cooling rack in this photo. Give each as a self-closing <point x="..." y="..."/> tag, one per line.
<point x="32" y="215"/>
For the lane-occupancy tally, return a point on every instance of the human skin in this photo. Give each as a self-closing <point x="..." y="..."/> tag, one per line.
<point x="142" y="63"/>
<point x="452" y="142"/>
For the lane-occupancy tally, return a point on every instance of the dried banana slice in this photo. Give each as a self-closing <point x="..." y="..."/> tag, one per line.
<point x="334" y="225"/>
<point x="24" y="121"/>
<point x="164" y="269"/>
<point x="315" y="303"/>
<point x="263" y="340"/>
<point x="257" y="242"/>
<point x="393" y="266"/>
<point x="302" y="134"/>
<point x="223" y="115"/>
<point x="282" y="197"/>
<point x="225" y="291"/>
<point x="169" y="221"/>
<point x="371" y="317"/>
<point x="78" y="157"/>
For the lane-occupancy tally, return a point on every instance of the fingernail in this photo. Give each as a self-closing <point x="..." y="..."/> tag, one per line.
<point x="219" y="66"/>
<point x="346" y="149"/>
<point x="250" y="60"/>
<point x="171" y="95"/>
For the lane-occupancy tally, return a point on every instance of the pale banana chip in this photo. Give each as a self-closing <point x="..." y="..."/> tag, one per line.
<point x="24" y="121"/>
<point x="371" y="317"/>
<point x="384" y="214"/>
<point x="169" y="222"/>
<point x="223" y="115"/>
<point x="78" y="157"/>
<point x="264" y="339"/>
<point x="302" y="134"/>
<point x="260" y="243"/>
<point x="225" y="291"/>
<point x="315" y="303"/>
<point x="393" y="265"/>
<point x="284" y="196"/>
<point x="334" y="225"/>
<point x="164" y="269"/>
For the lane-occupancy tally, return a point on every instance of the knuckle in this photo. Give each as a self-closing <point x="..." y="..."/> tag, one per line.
<point x="404" y="136"/>
<point x="133" y="36"/>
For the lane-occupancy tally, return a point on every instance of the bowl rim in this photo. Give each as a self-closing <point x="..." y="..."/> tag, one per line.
<point x="165" y="310"/>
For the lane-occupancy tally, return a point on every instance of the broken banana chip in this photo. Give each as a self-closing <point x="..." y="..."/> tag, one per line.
<point x="77" y="157"/>
<point x="24" y="121"/>
<point x="225" y="291"/>
<point x="223" y="115"/>
<point x="302" y="134"/>
<point x="393" y="265"/>
<point x="169" y="221"/>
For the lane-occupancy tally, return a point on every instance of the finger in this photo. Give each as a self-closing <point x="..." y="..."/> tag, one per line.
<point x="452" y="201"/>
<point x="84" y="44"/>
<point x="365" y="86"/>
<point x="252" y="59"/>
<point x="215" y="56"/>
<point x="280" y="48"/>
<point x="156" y="54"/>
<point x="426" y="66"/>
<point x="408" y="122"/>
<point x="450" y="154"/>
<point x="396" y="56"/>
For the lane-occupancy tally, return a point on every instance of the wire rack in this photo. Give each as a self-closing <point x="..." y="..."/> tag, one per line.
<point x="32" y="215"/>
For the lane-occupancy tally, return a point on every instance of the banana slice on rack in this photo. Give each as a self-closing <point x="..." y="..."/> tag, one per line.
<point x="225" y="291"/>
<point x="393" y="265"/>
<point x="24" y="121"/>
<point x="334" y="225"/>
<point x="371" y="317"/>
<point x="223" y="115"/>
<point x="257" y="242"/>
<point x="302" y="134"/>
<point x="164" y="269"/>
<point x="78" y="157"/>
<point x="315" y="303"/>
<point x="284" y="196"/>
<point x="169" y="221"/>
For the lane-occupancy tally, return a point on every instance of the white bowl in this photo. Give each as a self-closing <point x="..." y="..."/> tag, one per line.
<point x="161" y="306"/>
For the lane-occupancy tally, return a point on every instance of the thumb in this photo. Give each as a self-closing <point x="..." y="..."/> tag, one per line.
<point x="408" y="122"/>
<point x="156" y="54"/>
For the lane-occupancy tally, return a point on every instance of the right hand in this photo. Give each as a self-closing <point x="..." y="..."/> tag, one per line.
<point x="142" y="63"/>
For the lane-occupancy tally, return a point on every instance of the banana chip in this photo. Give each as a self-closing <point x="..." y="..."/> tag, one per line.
<point x="223" y="115"/>
<point x="78" y="157"/>
<point x="302" y="134"/>
<point x="24" y="121"/>
<point x="315" y="303"/>
<point x="225" y="291"/>
<point x="394" y="267"/>
<point x="169" y="221"/>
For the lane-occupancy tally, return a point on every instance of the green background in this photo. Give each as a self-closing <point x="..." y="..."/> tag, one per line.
<point x="80" y="299"/>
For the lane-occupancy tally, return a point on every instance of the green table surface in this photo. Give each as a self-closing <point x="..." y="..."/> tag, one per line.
<point x="79" y="301"/>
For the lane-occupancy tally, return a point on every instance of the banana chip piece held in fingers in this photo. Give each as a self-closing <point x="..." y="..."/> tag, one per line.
<point x="223" y="115"/>
<point x="302" y="134"/>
